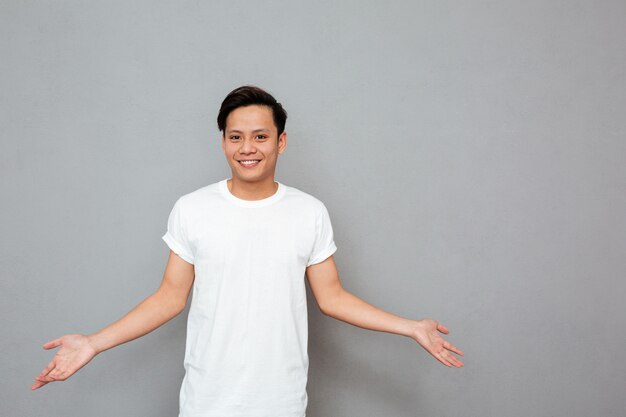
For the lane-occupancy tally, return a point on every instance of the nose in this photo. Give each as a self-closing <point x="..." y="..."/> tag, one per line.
<point x="247" y="146"/>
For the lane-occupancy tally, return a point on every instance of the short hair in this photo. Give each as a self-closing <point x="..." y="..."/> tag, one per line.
<point x="248" y="95"/>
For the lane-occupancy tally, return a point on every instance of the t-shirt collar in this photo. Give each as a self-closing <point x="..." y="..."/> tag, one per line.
<point x="223" y="186"/>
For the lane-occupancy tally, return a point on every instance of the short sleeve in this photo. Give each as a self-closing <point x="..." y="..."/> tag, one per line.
<point x="176" y="236"/>
<point x="324" y="243"/>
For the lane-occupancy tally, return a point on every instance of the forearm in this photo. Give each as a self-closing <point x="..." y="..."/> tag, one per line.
<point x="148" y="315"/>
<point x="353" y="310"/>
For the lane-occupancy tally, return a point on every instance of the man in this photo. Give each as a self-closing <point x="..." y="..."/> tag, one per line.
<point x="245" y="245"/>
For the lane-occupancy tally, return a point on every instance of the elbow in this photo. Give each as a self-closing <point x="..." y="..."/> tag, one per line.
<point x="329" y="305"/>
<point x="180" y="306"/>
<point x="324" y="310"/>
<point x="323" y="306"/>
<point x="179" y="310"/>
<point x="170" y="303"/>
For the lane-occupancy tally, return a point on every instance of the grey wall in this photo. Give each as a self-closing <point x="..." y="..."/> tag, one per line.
<point x="471" y="155"/>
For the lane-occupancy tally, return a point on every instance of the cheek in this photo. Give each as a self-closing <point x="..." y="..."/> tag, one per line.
<point x="270" y="152"/>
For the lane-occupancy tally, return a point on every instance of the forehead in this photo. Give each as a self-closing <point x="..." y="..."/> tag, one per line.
<point x="250" y="118"/>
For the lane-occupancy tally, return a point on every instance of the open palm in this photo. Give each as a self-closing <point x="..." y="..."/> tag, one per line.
<point x="426" y="333"/>
<point x="75" y="352"/>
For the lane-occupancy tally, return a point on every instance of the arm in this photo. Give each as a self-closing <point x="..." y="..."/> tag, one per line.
<point x="158" y="308"/>
<point x="336" y="302"/>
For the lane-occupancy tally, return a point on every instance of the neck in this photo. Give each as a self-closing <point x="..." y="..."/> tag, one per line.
<point x="256" y="190"/>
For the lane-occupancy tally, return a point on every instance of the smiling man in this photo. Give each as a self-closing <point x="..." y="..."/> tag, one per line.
<point x="244" y="245"/>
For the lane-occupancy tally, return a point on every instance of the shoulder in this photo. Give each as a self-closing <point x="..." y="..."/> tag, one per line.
<point x="199" y="197"/>
<point x="304" y="199"/>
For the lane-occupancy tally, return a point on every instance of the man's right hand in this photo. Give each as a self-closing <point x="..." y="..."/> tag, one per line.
<point x="76" y="351"/>
<point x="161" y="306"/>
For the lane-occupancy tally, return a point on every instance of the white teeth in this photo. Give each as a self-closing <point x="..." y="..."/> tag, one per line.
<point x="250" y="162"/>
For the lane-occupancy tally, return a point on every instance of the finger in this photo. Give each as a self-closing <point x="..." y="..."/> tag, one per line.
<point x="454" y="360"/>
<point x="443" y="329"/>
<point x="453" y="348"/>
<point x="58" y="374"/>
<point x="48" y="376"/>
<point x="38" y="384"/>
<point x="441" y="359"/>
<point x="48" y="368"/>
<point x="45" y="379"/>
<point x="52" y="344"/>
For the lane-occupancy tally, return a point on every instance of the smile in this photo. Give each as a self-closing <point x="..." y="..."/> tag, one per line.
<point x="249" y="163"/>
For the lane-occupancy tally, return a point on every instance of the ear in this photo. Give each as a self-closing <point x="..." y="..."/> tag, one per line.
<point x="282" y="142"/>
<point x="223" y="140"/>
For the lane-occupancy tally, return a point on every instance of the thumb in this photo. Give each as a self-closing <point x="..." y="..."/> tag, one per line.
<point x="52" y="344"/>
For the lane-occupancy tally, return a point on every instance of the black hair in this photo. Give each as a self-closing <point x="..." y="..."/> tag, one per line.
<point x="247" y="95"/>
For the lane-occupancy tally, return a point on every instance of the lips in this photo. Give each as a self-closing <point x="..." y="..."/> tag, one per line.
<point x="249" y="164"/>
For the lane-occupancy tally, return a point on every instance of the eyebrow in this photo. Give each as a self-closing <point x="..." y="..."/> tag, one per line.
<point x="256" y="130"/>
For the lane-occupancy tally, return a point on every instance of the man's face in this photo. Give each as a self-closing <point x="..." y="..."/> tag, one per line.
<point x="250" y="135"/>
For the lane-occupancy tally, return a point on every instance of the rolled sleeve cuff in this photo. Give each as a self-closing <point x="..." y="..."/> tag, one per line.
<point x="323" y="255"/>
<point x="177" y="248"/>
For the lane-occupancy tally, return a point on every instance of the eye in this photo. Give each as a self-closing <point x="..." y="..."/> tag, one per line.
<point x="235" y="137"/>
<point x="262" y="136"/>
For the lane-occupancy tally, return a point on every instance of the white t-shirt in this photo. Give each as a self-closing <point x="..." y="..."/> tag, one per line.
<point x="247" y="332"/>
